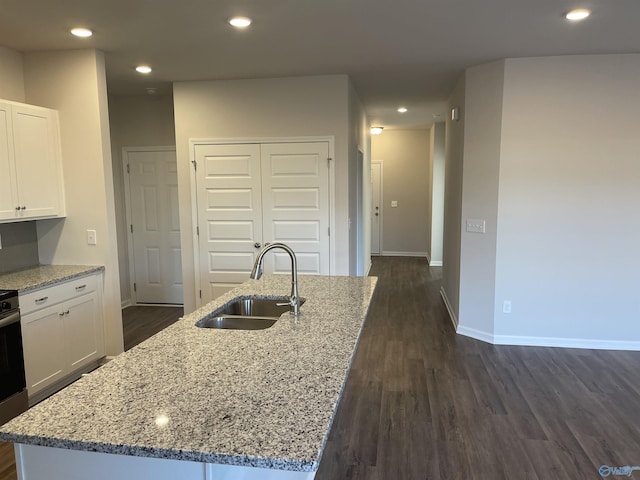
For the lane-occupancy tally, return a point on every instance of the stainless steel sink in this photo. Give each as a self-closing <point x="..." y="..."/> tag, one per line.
<point x="247" y="314"/>
<point x="237" y="322"/>
<point x="257" y="307"/>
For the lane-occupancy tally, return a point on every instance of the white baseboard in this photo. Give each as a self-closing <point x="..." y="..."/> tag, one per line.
<point x="447" y="304"/>
<point x="126" y="303"/>
<point x="567" y="342"/>
<point x="435" y="263"/>
<point x="403" y="254"/>
<point x="583" y="343"/>
<point x="368" y="268"/>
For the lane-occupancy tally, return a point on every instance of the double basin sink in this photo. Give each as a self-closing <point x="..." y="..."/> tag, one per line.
<point x="247" y="314"/>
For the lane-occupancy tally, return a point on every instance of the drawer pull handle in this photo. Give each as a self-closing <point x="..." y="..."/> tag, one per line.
<point x="80" y="287"/>
<point x="67" y="312"/>
<point x="42" y="300"/>
<point x="61" y="314"/>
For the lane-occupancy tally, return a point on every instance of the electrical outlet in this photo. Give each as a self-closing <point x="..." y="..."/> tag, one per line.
<point x="91" y="237"/>
<point x="394" y="203"/>
<point x="506" y="306"/>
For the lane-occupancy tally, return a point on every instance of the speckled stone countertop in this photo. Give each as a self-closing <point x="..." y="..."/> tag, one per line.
<point x="43" y="276"/>
<point x="261" y="398"/>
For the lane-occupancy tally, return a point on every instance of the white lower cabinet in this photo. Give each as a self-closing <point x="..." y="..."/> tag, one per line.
<point x="62" y="333"/>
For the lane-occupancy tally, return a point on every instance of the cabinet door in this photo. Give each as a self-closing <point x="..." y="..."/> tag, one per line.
<point x="8" y="192"/>
<point x="83" y="332"/>
<point x="37" y="166"/>
<point x="43" y="343"/>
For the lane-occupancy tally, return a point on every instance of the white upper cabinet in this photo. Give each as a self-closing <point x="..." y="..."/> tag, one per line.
<point x="30" y="157"/>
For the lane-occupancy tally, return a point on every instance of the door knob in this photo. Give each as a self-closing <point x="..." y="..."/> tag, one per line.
<point x="257" y="244"/>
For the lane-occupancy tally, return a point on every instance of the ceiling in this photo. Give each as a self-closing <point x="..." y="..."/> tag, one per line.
<point x="397" y="52"/>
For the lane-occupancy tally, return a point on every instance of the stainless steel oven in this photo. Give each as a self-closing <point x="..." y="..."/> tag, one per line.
<point x="13" y="391"/>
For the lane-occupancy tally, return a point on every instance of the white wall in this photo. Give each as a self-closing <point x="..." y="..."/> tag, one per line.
<point x="568" y="220"/>
<point x="454" y="153"/>
<point x="405" y="156"/>
<point x="135" y="121"/>
<point x="11" y="75"/>
<point x="277" y="107"/>
<point x="74" y="83"/>
<point x="436" y="201"/>
<point x="359" y="232"/>
<point x="483" y="120"/>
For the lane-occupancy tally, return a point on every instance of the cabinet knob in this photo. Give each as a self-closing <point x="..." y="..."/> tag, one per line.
<point x="23" y="207"/>
<point x="18" y="208"/>
<point x="257" y="244"/>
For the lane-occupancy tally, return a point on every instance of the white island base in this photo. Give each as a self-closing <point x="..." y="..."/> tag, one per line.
<point x="34" y="462"/>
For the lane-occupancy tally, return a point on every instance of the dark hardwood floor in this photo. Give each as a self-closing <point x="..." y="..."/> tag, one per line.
<point x="424" y="403"/>
<point x="140" y="323"/>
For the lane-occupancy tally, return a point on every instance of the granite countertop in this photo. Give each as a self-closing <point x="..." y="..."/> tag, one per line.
<point x="43" y="276"/>
<point x="260" y="398"/>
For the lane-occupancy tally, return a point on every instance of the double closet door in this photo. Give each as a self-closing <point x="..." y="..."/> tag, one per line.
<point x="251" y="194"/>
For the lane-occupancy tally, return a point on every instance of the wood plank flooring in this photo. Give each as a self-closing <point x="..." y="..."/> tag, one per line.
<point x="424" y="403"/>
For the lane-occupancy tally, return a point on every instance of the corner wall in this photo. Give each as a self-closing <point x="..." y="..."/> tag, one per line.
<point x="275" y="107"/>
<point x="482" y="136"/>
<point x="74" y="83"/>
<point x="436" y="201"/>
<point x="454" y="153"/>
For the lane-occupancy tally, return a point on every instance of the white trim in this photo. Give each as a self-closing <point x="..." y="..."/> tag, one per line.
<point x="567" y="342"/>
<point x="435" y="264"/>
<point x="403" y="254"/>
<point x="126" y="303"/>
<point x="127" y="206"/>
<point x="553" y="342"/>
<point x="368" y="268"/>
<point x="477" y="334"/>
<point x="193" y="142"/>
<point x="447" y="304"/>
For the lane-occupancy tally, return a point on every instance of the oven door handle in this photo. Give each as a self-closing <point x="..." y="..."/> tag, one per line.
<point x="10" y="319"/>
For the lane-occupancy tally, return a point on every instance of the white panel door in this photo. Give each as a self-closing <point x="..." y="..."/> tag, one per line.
<point x="229" y="210"/>
<point x="295" y="204"/>
<point x="153" y="184"/>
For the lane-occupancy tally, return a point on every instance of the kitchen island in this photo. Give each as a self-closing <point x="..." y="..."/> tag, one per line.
<point x="194" y="403"/>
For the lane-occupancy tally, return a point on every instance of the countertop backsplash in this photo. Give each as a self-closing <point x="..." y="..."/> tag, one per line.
<point x="19" y="246"/>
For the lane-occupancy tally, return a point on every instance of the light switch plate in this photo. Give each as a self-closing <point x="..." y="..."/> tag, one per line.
<point x="91" y="237"/>
<point x="394" y="203"/>
<point x="475" y="225"/>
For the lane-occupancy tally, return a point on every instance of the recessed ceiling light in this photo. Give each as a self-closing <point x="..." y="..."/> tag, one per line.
<point x="240" y="22"/>
<point x="577" y="14"/>
<point x="143" y="69"/>
<point x="402" y="110"/>
<point x="81" y="32"/>
<point x="376" y="130"/>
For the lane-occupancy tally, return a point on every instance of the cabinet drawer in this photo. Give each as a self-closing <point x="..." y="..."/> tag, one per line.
<point x="61" y="292"/>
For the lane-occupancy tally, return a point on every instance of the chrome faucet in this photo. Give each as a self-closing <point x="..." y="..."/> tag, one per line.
<point x="256" y="273"/>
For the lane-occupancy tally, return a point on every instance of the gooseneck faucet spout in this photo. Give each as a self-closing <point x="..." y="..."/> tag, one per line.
<point x="256" y="273"/>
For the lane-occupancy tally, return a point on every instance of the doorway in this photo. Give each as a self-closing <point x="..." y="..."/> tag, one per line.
<point x="376" y="208"/>
<point x="151" y="196"/>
